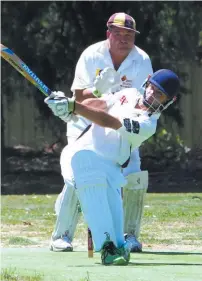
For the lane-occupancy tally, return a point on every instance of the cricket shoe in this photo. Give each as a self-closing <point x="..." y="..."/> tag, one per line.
<point x="110" y="254"/>
<point x="62" y="244"/>
<point x="125" y="251"/>
<point x="134" y="244"/>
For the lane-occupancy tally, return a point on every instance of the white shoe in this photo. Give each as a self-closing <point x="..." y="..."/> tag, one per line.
<point x="135" y="245"/>
<point x="62" y="244"/>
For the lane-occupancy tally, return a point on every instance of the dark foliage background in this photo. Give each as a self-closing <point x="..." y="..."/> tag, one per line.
<point x="50" y="36"/>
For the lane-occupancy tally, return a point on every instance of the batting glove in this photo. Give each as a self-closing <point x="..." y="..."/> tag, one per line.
<point x="60" y="105"/>
<point x="108" y="81"/>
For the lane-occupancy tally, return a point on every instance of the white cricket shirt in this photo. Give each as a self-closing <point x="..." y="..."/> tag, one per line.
<point x="116" y="145"/>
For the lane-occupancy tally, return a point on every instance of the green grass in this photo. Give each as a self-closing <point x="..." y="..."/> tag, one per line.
<point x="21" y="241"/>
<point x="75" y="266"/>
<point x="171" y="235"/>
<point x="11" y="274"/>
<point x="169" y="219"/>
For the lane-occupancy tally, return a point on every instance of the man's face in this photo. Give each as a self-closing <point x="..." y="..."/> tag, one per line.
<point x="121" y="40"/>
<point x="154" y="97"/>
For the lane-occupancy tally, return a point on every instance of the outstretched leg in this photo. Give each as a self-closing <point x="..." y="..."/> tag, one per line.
<point x="91" y="181"/>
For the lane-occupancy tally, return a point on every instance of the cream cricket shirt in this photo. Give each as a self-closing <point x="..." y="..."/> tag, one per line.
<point x="134" y="70"/>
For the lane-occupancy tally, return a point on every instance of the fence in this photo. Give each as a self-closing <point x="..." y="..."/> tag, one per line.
<point x="22" y="127"/>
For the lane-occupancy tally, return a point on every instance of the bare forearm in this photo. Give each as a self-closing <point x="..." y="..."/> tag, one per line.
<point x="84" y="94"/>
<point x="97" y="116"/>
<point x="95" y="103"/>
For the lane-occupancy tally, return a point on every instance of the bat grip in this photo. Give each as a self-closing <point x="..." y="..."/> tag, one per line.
<point x="90" y="244"/>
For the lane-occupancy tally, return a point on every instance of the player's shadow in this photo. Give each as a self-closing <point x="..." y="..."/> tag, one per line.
<point x="171" y="253"/>
<point x="136" y="264"/>
<point x="162" y="264"/>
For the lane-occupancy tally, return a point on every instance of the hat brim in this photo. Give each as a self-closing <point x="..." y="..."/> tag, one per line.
<point x="123" y="27"/>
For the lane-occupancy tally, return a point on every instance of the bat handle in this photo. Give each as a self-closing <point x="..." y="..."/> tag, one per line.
<point x="90" y="244"/>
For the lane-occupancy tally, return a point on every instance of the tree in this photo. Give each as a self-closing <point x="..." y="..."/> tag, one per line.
<point x="50" y="36"/>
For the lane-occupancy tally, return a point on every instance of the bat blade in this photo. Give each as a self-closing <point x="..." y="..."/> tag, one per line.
<point x="23" y="69"/>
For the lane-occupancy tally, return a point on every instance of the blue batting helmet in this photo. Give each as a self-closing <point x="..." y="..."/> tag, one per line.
<point x="166" y="81"/>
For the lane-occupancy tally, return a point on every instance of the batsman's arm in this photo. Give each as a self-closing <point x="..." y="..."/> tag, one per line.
<point x="97" y="115"/>
<point x="96" y="103"/>
<point x="83" y="94"/>
<point x="135" y="130"/>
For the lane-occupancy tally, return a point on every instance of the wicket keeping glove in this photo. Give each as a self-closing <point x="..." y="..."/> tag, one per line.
<point x="108" y="81"/>
<point x="61" y="106"/>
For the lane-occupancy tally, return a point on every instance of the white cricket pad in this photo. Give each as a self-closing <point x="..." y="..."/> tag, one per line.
<point x="133" y="201"/>
<point x="68" y="211"/>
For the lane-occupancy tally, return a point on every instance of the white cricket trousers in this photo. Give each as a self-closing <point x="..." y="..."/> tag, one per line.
<point x="98" y="185"/>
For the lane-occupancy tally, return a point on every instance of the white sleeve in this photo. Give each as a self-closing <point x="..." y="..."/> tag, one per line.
<point x="137" y="130"/>
<point x="143" y="73"/>
<point x="84" y="73"/>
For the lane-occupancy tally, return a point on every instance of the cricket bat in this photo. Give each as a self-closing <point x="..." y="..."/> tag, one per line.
<point x="90" y="244"/>
<point x="23" y="69"/>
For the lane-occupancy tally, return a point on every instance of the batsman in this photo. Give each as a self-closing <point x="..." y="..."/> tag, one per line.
<point x="131" y="67"/>
<point x="93" y="166"/>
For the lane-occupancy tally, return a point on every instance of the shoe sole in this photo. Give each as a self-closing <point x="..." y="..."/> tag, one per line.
<point x="120" y="261"/>
<point x="117" y="262"/>
<point x="53" y="249"/>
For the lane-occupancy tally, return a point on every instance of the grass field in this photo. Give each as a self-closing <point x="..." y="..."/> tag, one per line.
<point x="171" y="234"/>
